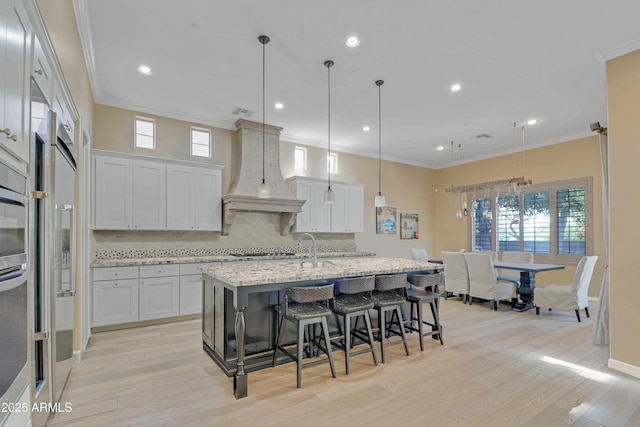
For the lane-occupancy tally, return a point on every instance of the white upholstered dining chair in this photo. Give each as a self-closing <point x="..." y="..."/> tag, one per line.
<point x="568" y="297"/>
<point x="456" y="276"/>
<point x="419" y="254"/>
<point x="483" y="282"/>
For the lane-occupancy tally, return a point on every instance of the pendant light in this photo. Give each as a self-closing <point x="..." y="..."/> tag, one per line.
<point x="380" y="200"/>
<point x="264" y="191"/>
<point x="329" y="195"/>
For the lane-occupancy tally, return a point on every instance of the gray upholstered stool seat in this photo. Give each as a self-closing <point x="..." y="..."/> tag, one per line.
<point x="353" y="300"/>
<point x="389" y="295"/>
<point x="425" y="291"/>
<point x="306" y="307"/>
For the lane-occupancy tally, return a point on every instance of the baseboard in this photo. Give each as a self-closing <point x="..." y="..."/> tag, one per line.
<point x="77" y="357"/>
<point x="628" y="369"/>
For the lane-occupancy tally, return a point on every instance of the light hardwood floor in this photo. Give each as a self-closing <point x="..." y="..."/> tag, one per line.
<point x="495" y="369"/>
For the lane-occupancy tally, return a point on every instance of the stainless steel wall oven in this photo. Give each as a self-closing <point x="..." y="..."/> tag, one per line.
<point x="14" y="373"/>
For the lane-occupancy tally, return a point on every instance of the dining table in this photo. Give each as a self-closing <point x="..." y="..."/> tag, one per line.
<point x="527" y="280"/>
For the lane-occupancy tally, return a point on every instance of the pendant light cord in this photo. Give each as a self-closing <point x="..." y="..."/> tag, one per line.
<point x="329" y="64"/>
<point x="514" y="150"/>
<point x="264" y="42"/>
<point x="379" y="83"/>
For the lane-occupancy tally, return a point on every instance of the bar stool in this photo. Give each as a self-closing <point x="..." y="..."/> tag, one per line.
<point x="306" y="306"/>
<point x="353" y="300"/>
<point x="425" y="290"/>
<point x="389" y="295"/>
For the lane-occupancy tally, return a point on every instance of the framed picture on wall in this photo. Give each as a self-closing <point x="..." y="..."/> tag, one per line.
<point x="386" y="220"/>
<point x="409" y="226"/>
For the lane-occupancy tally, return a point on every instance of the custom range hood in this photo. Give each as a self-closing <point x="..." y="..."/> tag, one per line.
<point x="247" y="174"/>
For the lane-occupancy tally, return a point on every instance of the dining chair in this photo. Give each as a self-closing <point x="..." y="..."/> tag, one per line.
<point x="568" y="297"/>
<point x="456" y="275"/>
<point x="483" y="282"/>
<point x="419" y="254"/>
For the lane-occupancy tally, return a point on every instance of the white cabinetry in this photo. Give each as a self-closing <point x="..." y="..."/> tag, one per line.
<point x="113" y="193"/>
<point x="149" y="195"/>
<point x="345" y="215"/>
<point x="159" y="291"/>
<point x="315" y="215"/>
<point x="131" y="193"/>
<point x="190" y="289"/>
<point x="194" y="199"/>
<point x="130" y="294"/>
<point x="347" y="211"/>
<point x="14" y="62"/>
<point x="115" y="295"/>
<point x="41" y="70"/>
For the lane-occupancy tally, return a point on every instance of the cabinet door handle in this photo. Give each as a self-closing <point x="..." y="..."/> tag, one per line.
<point x="13" y="137"/>
<point x="6" y="131"/>
<point x="39" y="72"/>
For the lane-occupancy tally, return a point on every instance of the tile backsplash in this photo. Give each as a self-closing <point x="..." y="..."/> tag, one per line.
<point x="251" y="232"/>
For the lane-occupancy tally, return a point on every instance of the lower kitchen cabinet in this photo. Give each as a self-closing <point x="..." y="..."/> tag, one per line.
<point x="148" y="292"/>
<point x="115" y="301"/>
<point x="159" y="297"/>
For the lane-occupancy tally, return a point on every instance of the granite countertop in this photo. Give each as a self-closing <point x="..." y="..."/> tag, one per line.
<point x="121" y="262"/>
<point x="283" y="272"/>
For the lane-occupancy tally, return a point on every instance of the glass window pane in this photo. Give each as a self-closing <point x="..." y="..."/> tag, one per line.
<point x="144" y="136"/>
<point x="200" y="143"/>
<point x="482" y="219"/>
<point x="508" y="223"/>
<point x="571" y="221"/>
<point x="300" y="158"/>
<point x="536" y="223"/>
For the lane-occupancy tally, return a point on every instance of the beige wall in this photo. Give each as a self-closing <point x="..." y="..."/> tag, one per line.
<point x="574" y="159"/>
<point x="623" y="105"/>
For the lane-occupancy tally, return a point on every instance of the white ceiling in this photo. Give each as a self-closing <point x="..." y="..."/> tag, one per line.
<point x="515" y="59"/>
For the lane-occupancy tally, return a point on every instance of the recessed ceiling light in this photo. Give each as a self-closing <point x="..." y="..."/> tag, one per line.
<point x="456" y="87"/>
<point x="353" y="41"/>
<point x="366" y="128"/>
<point x="532" y="122"/>
<point x="143" y="69"/>
<point x="440" y="148"/>
<point x="279" y="106"/>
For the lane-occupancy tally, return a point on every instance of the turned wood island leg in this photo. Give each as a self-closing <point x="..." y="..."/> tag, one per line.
<point x="240" y="382"/>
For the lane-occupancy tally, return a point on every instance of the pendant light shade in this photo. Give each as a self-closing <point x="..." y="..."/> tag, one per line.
<point x="380" y="200"/>
<point x="264" y="191"/>
<point x="329" y="194"/>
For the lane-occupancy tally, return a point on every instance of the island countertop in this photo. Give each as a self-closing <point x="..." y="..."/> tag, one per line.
<point x="251" y="274"/>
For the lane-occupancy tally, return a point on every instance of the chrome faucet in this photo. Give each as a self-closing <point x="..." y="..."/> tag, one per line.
<point x="312" y="250"/>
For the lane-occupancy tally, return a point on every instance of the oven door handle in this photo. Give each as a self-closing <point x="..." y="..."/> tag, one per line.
<point x="12" y="282"/>
<point x="8" y="196"/>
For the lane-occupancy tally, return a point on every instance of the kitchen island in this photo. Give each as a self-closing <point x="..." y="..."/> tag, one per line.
<point x="243" y="295"/>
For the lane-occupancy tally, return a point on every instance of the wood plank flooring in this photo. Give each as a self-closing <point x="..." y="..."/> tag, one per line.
<point x="495" y="369"/>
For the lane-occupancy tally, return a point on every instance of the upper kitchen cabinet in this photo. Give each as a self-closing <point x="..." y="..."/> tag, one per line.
<point x="345" y="215"/>
<point x="316" y="215"/>
<point x="129" y="194"/>
<point x="347" y="211"/>
<point x="194" y="199"/>
<point x="41" y="71"/>
<point x="15" y="58"/>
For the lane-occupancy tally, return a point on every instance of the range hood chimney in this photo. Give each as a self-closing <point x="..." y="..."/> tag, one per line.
<point x="247" y="174"/>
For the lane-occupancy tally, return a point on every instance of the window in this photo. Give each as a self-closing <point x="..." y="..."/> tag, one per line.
<point x="551" y="220"/>
<point x="200" y="142"/>
<point x="332" y="163"/>
<point x="300" y="158"/>
<point x="145" y="136"/>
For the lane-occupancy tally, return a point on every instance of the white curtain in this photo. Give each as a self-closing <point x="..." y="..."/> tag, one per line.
<point x="601" y="332"/>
